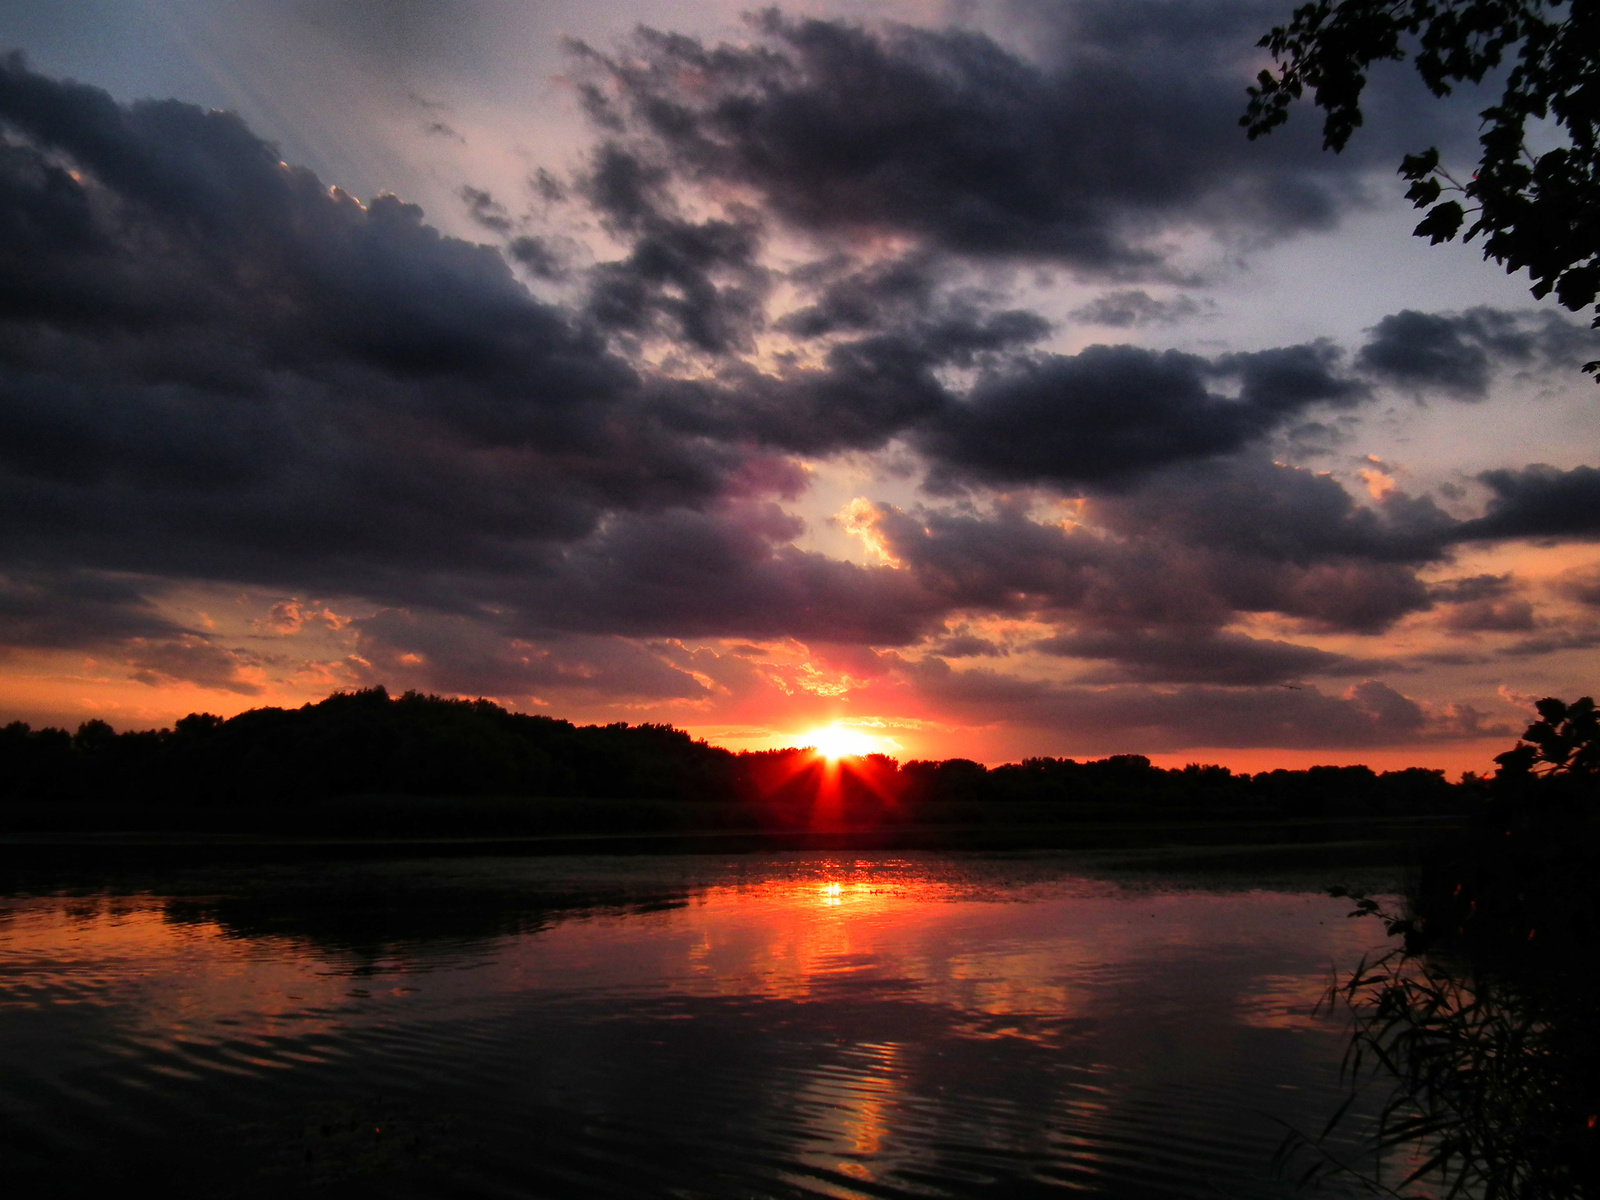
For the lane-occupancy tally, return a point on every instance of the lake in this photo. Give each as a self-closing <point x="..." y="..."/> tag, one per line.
<point x="721" y="1026"/>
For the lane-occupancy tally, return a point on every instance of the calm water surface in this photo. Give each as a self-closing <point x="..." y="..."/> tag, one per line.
<point x="744" y="1026"/>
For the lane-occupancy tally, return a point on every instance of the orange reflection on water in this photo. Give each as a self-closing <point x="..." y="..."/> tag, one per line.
<point x="886" y="994"/>
<point x="1012" y="965"/>
<point x="180" y="984"/>
<point x="855" y="1111"/>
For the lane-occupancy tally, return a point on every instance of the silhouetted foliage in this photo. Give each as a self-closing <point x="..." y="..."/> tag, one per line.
<point x="361" y="743"/>
<point x="370" y="744"/>
<point x="1131" y="783"/>
<point x="1564" y="740"/>
<point x="1481" y="1021"/>
<point x="1540" y="212"/>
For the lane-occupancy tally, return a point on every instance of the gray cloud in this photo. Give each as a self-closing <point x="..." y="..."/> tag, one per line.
<point x="949" y="138"/>
<point x="465" y="655"/>
<point x="1185" y="553"/>
<point x="1129" y="307"/>
<point x="732" y="574"/>
<point x="891" y="329"/>
<point x="1459" y="352"/>
<point x="192" y="658"/>
<point x="1513" y="614"/>
<point x="1222" y="658"/>
<point x="1583" y="636"/>
<point x="1112" y="412"/>
<point x="1483" y="604"/>
<point x="488" y="212"/>
<point x="1538" y="501"/>
<point x="1582" y="585"/>
<point x="52" y="609"/>
<point x="1136" y="718"/>
<point x="214" y="368"/>
<point x="697" y="282"/>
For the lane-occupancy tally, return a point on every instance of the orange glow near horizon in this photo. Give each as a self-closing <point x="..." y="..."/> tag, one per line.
<point x="63" y="689"/>
<point x="837" y="741"/>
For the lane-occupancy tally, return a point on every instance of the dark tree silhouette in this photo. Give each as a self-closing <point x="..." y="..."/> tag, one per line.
<point x="1564" y="740"/>
<point x="1477" y="1026"/>
<point x="1535" y="212"/>
<point x="374" y="745"/>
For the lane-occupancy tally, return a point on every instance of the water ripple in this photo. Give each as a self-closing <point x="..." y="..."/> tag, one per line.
<point x="958" y="1032"/>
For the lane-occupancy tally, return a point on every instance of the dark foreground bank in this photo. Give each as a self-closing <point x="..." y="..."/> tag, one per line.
<point x="1473" y="1032"/>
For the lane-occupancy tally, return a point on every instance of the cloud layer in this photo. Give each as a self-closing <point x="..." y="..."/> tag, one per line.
<point x="216" y="372"/>
<point x="945" y="136"/>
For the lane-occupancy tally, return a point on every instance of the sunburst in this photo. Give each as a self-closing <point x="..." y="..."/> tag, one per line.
<point x="837" y="741"/>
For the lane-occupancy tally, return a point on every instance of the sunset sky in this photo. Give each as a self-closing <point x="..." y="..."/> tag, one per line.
<point x="955" y="373"/>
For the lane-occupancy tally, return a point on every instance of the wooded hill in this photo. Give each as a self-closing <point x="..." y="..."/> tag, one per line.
<point x="368" y="743"/>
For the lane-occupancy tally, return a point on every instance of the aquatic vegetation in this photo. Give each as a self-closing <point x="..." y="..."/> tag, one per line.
<point x="1480" y="1025"/>
<point x="1491" y="1079"/>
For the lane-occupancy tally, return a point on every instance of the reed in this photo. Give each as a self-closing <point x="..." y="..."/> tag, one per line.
<point x="1473" y="1064"/>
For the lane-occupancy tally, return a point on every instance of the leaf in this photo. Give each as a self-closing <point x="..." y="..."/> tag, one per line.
<point x="1333" y="1121"/>
<point x="1424" y="192"/>
<point x="1442" y="222"/>
<point x="1578" y="287"/>
<point x="1419" y="166"/>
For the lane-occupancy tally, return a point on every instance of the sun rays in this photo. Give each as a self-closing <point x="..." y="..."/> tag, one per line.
<point x="838" y="741"/>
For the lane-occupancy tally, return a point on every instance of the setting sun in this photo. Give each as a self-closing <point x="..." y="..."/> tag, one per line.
<point x="836" y="741"/>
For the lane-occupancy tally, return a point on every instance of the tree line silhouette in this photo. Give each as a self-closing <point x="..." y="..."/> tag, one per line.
<point x="370" y="744"/>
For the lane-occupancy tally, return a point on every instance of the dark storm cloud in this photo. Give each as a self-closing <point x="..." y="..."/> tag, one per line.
<point x="1459" y="352"/>
<point x="1112" y="412"/>
<point x="863" y="394"/>
<point x="114" y="616"/>
<point x="212" y="366"/>
<point x="1483" y="604"/>
<point x="669" y="286"/>
<point x="1138" y="718"/>
<point x="697" y="283"/>
<point x="891" y="328"/>
<point x="1538" y="501"/>
<point x="167" y="221"/>
<point x="1129" y="307"/>
<point x="483" y="208"/>
<point x="540" y="258"/>
<point x="1185" y="554"/>
<point x="948" y="137"/>
<point x="192" y="658"/>
<point x="1582" y="585"/>
<point x="730" y="573"/>
<point x="1253" y="507"/>
<point x="1224" y="658"/>
<point x="466" y="656"/>
<point x="66" y="608"/>
<point x="908" y="295"/>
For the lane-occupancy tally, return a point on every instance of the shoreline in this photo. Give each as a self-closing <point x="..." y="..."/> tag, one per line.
<point x="1380" y="841"/>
